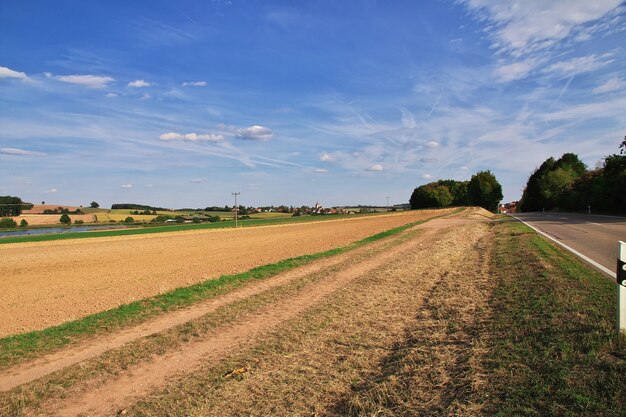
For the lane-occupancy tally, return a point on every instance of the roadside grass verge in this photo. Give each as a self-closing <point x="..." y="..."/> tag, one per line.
<point x="149" y="229"/>
<point x="554" y="349"/>
<point x="17" y="348"/>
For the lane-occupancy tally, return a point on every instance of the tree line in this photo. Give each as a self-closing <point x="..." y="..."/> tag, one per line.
<point x="483" y="190"/>
<point x="12" y="206"/>
<point x="567" y="184"/>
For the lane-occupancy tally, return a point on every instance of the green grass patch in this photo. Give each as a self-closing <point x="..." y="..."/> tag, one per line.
<point x="554" y="350"/>
<point x="20" y="347"/>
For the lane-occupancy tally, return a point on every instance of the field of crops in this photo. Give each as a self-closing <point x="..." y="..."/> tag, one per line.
<point x="48" y="283"/>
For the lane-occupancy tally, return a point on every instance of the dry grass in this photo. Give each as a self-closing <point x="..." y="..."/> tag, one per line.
<point x="321" y="362"/>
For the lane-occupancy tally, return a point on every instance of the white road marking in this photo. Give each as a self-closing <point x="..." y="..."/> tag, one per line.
<point x="597" y="224"/>
<point x="564" y="218"/>
<point x="574" y="251"/>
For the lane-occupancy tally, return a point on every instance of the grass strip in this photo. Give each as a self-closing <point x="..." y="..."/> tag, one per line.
<point x="554" y="347"/>
<point x="25" y="346"/>
<point x="148" y="229"/>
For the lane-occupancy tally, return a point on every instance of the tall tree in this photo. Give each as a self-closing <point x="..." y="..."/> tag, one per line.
<point x="485" y="191"/>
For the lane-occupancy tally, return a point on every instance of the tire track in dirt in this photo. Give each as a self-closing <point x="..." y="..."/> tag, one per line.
<point x="38" y="368"/>
<point x="142" y="379"/>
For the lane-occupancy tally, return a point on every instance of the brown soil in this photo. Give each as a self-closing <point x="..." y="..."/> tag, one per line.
<point x="48" y="283"/>
<point x="428" y="257"/>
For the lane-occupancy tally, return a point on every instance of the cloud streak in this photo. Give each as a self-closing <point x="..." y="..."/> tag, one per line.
<point x="90" y="81"/>
<point x="191" y="137"/>
<point x="9" y="73"/>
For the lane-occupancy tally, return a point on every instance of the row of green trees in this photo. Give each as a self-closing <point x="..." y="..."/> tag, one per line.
<point x="483" y="190"/>
<point x="567" y="184"/>
<point x="12" y="206"/>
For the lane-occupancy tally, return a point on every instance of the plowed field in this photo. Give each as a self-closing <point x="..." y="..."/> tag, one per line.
<point x="48" y="283"/>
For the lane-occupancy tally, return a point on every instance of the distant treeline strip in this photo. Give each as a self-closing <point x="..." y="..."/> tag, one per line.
<point x="131" y="206"/>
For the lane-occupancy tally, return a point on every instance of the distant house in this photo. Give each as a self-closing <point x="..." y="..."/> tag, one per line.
<point x="509" y="207"/>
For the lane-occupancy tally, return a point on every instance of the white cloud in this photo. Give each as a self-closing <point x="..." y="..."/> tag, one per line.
<point x="50" y="191"/>
<point x="614" y="84"/>
<point x="432" y="145"/>
<point x="427" y="176"/>
<point x="192" y="137"/>
<point x="321" y="171"/>
<point x="139" y="84"/>
<point x="326" y="157"/>
<point x="9" y="73"/>
<point x="198" y="180"/>
<point x="19" y="152"/>
<point x="255" y="132"/>
<point x="91" y="81"/>
<point x="127" y="186"/>
<point x="375" y="168"/>
<point x="532" y="25"/>
<point x="579" y="65"/>
<point x="194" y="84"/>
<point x="145" y="97"/>
<point x="515" y="71"/>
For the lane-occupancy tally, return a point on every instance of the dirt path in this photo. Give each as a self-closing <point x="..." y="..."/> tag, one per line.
<point x="49" y="283"/>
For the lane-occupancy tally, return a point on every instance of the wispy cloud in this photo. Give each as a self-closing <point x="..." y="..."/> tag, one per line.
<point x="375" y="168"/>
<point x="19" y="152"/>
<point x="408" y="121"/>
<point x="515" y="71"/>
<point x="325" y="157"/>
<point x="532" y="25"/>
<point x="194" y="84"/>
<point x="126" y="186"/>
<point x="321" y="171"/>
<point x="614" y="84"/>
<point x="90" y="81"/>
<point x="579" y="65"/>
<point x="9" y="73"/>
<point x="255" y="132"/>
<point x="192" y="137"/>
<point x="139" y="84"/>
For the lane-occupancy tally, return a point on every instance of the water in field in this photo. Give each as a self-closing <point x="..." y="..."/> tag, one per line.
<point x="49" y="230"/>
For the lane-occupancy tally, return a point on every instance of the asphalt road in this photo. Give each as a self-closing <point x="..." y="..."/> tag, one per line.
<point x="594" y="236"/>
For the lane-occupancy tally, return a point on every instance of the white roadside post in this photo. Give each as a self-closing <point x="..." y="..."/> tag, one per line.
<point x="620" y="275"/>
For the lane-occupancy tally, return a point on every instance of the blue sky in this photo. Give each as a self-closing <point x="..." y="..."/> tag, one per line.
<point x="180" y="103"/>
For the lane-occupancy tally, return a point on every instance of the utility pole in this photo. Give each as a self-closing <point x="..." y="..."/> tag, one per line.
<point x="236" y="207"/>
<point x="387" y="202"/>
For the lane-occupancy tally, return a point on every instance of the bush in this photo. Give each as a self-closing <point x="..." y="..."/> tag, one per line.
<point x="65" y="219"/>
<point x="79" y="222"/>
<point x="23" y="223"/>
<point x="129" y="220"/>
<point x="7" y="223"/>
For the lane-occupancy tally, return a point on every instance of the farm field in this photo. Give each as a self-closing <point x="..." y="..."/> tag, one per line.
<point x="51" y="219"/>
<point x="393" y="328"/>
<point x="48" y="283"/>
